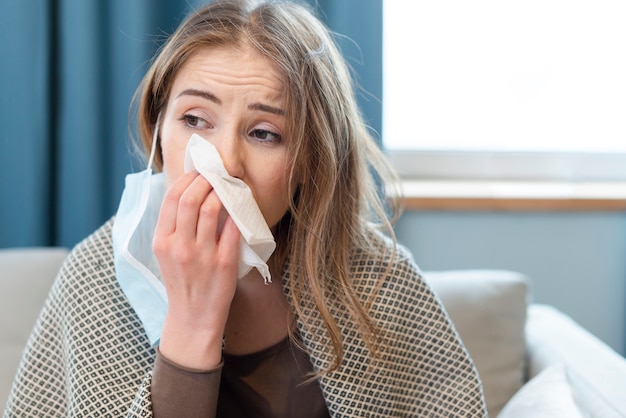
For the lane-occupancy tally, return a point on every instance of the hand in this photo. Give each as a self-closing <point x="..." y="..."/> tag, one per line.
<point x="197" y="246"/>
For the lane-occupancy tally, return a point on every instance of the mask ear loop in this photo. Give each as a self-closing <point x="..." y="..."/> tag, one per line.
<point x="155" y="137"/>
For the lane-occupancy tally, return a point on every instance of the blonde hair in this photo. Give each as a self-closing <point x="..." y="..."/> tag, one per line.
<point x="339" y="173"/>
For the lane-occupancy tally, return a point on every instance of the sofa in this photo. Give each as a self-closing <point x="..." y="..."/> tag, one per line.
<point x="534" y="361"/>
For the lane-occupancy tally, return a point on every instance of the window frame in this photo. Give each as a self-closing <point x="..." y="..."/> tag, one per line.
<point x="514" y="166"/>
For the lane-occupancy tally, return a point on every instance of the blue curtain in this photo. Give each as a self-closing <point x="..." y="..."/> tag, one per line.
<point x="68" y="71"/>
<point x="359" y="25"/>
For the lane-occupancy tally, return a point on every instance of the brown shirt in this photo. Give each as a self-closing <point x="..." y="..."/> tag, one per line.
<point x="269" y="383"/>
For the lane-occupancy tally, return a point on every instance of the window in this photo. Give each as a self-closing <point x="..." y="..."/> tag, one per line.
<point x="532" y="89"/>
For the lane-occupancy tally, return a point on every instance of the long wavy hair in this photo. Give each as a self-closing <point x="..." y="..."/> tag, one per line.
<point x="340" y="175"/>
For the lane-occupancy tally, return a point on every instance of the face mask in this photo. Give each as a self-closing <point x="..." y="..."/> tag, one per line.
<point x="135" y="264"/>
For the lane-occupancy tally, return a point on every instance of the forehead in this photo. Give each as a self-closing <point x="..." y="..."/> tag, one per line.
<point x="239" y="66"/>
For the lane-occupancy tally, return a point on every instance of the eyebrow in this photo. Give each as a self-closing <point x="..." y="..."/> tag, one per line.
<point x="265" y="108"/>
<point x="213" y="98"/>
<point x="201" y="93"/>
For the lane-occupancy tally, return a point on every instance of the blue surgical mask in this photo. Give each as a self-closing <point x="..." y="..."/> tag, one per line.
<point x="136" y="266"/>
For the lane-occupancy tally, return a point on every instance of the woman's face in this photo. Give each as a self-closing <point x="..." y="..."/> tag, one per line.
<point x="234" y="99"/>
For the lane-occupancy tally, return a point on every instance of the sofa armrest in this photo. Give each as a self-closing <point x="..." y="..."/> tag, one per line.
<point x="596" y="373"/>
<point x="26" y="275"/>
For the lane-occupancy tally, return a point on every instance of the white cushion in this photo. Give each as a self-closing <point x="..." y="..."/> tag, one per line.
<point x="596" y="373"/>
<point x="488" y="309"/>
<point x="546" y="395"/>
<point x="26" y="275"/>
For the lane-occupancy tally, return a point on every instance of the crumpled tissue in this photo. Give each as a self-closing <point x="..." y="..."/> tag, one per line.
<point x="257" y="242"/>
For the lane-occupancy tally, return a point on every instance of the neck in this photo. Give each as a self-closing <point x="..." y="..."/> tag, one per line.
<point x="259" y="315"/>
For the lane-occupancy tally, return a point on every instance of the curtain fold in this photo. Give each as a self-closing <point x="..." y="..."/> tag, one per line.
<point x="24" y="122"/>
<point x="359" y="26"/>
<point x="68" y="73"/>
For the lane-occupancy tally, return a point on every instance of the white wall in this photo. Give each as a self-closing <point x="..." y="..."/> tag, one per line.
<point x="576" y="261"/>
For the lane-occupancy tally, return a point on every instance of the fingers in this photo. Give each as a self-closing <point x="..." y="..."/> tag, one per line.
<point x="211" y="218"/>
<point x="167" y="221"/>
<point x="190" y="209"/>
<point x="192" y="212"/>
<point x="229" y="241"/>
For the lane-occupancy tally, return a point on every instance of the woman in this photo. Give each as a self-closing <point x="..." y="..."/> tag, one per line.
<point x="349" y="328"/>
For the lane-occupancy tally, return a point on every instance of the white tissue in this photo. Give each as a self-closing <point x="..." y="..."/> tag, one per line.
<point x="257" y="243"/>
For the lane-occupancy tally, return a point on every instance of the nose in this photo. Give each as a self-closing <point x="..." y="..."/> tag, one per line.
<point x="232" y="153"/>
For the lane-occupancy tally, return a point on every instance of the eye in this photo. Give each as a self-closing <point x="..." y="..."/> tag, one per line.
<point x="265" y="136"/>
<point x="193" y="121"/>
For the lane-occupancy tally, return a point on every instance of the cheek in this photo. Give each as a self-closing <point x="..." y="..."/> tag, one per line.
<point x="173" y="162"/>
<point x="274" y="196"/>
<point x="173" y="146"/>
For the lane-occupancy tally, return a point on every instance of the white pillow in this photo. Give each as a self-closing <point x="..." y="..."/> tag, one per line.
<point x="546" y="395"/>
<point x="488" y="309"/>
